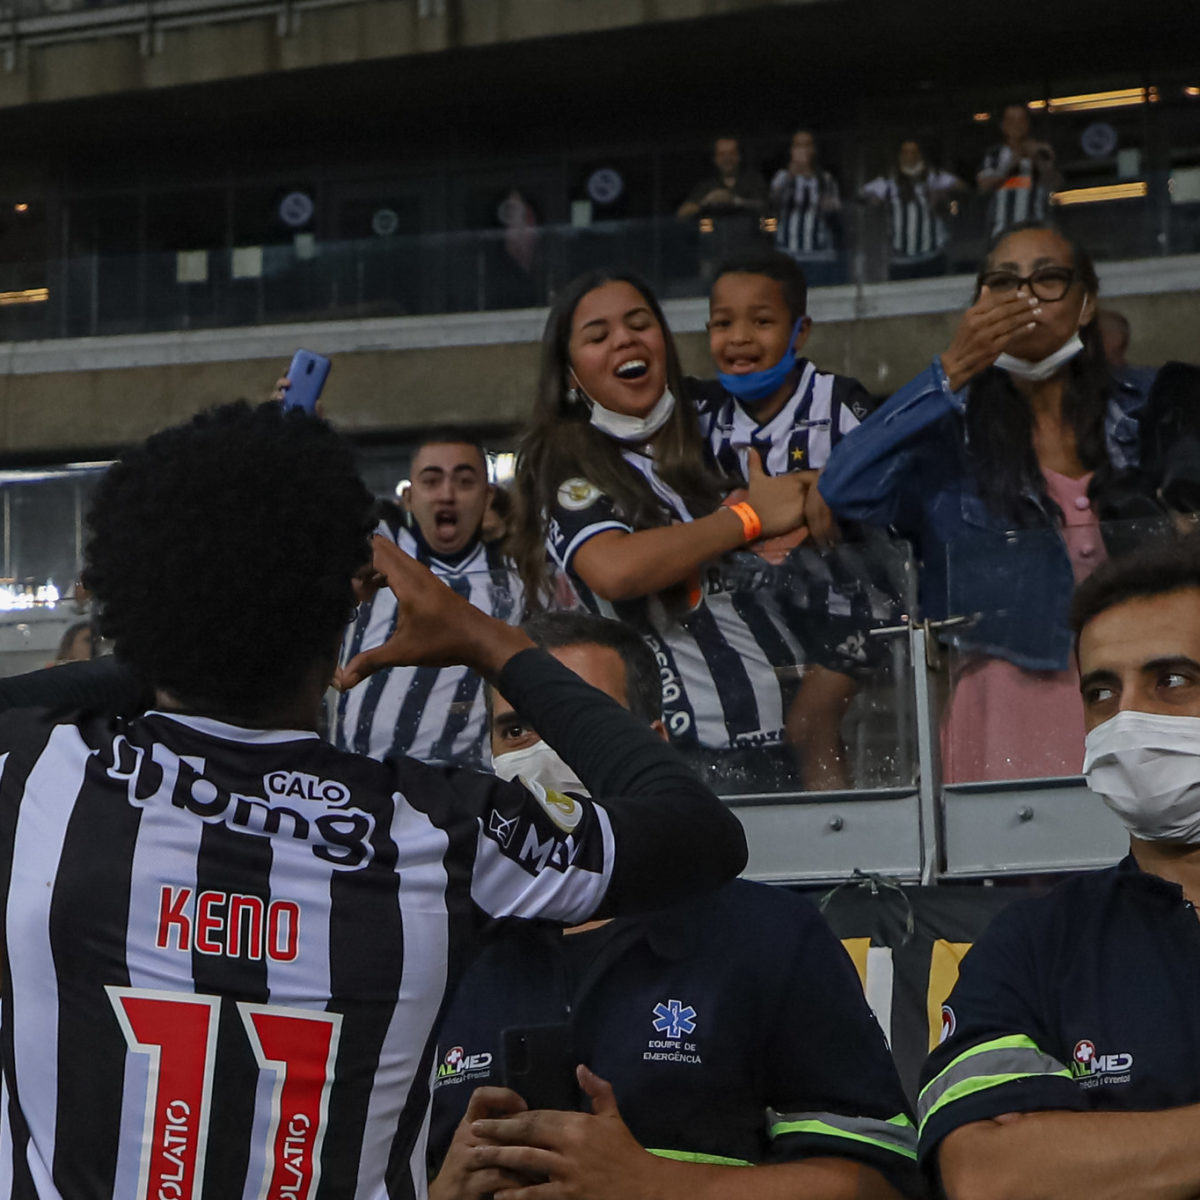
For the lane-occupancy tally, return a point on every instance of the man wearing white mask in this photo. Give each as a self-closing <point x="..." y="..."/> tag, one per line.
<point x="732" y="1033"/>
<point x="1072" y="1062"/>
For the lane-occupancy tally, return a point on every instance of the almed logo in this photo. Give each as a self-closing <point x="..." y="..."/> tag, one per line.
<point x="456" y="1063"/>
<point x="674" y="1019"/>
<point x="1092" y="1068"/>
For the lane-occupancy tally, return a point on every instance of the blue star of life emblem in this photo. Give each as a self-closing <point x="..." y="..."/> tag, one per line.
<point x="673" y="1019"/>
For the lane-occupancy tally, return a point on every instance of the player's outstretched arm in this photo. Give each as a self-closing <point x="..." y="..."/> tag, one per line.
<point x="1075" y="1156"/>
<point x="435" y="627"/>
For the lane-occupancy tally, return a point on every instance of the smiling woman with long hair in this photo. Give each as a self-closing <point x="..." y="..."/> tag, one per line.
<point x="613" y="485"/>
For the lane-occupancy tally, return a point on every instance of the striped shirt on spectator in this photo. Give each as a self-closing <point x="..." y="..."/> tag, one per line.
<point x="915" y="229"/>
<point x="1023" y="194"/>
<point x="803" y="204"/>
<point x="821" y="411"/>
<point x="434" y="714"/>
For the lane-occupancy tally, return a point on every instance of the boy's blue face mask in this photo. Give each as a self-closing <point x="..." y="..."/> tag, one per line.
<point x="758" y="385"/>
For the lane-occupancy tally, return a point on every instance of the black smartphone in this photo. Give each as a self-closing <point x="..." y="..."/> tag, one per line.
<point x="539" y="1065"/>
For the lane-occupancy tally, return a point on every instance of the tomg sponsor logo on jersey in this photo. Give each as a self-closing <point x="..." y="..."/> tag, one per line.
<point x="338" y="834"/>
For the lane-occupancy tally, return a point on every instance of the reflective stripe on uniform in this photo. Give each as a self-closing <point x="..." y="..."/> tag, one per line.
<point x="713" y="1160"/>
<point x="984" y="1066"/>
<point x="896" y="1134"/>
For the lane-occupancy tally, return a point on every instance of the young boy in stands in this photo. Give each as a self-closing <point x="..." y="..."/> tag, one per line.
<point x="770" y="399"/>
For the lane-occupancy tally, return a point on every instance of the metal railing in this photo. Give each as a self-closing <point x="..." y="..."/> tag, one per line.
<point x="395" y="275"/>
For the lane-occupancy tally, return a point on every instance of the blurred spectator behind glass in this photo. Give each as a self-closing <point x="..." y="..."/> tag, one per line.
<point x="1019" y="174"/>
<point x="997" y="463"/>
<point x="807" y="203"/>
<point x="1115" y="337"/>
<point x="729" y="205"/>
<point x="730" y="189"/>
<point x="917" y="200"/>
<point x="77" y="643"/>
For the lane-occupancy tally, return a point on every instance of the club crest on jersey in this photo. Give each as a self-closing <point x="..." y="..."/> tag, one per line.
<point x="578" y="494"/>
<point x="565" y="811"/>
<point x="336" y="833"/>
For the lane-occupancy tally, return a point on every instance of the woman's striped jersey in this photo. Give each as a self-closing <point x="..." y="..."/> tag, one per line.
<point x="726" y="664"/>
<point x="225" y="950"/>
<point x="435" y="714"/>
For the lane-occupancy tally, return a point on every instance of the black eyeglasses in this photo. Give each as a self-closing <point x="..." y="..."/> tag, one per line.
<point x="1046" y="283"/>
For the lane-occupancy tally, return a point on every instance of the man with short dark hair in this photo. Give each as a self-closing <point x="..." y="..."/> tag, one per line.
<point x="1072" y="1062"/>
<point x="733" y="1030"/>
<point x="225" y="941"/>
<point x="436" y="715"/>
<point x="729" y="189"/>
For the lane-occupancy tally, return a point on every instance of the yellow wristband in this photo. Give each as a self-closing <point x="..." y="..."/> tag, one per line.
<point x="751" y="523"/>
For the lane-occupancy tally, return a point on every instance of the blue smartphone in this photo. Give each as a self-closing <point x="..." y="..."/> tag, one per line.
<point x="307" y="373"/>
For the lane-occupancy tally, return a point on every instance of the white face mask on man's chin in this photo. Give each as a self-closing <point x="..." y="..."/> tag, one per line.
<point x="538" y="763"/>
<point x="1146" y="767"/>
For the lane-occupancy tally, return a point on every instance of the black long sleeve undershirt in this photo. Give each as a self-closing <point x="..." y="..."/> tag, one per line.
<point x="674" y="835"/>
<point x="103" y="684"/>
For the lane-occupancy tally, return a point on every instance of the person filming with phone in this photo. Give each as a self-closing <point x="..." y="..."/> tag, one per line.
<point x="664" y="1054"/>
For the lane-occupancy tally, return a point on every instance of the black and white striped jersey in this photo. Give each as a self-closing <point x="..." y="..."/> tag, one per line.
<point x="225" y="949"/>
<point x="820" y="412"/>
<point x="1023" y="193"/>
<point x="851" y="584"/>
<point x="726" y="665"/>
<point x="434" y="714"/>
<point x="916" y="230"/>
<point x="803" y="205"/>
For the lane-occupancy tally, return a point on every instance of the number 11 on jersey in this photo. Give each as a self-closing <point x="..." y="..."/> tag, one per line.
<point x="178" y="1033"/>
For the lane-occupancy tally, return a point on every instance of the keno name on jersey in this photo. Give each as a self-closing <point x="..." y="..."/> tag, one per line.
<point x="337" y="834"/>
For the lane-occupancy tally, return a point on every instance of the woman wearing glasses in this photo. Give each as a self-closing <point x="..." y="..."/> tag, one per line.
<point x="994" y="463"/>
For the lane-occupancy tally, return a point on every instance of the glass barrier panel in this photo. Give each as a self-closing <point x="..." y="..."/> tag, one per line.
<point x="785" y="670"/>
<point x="1010" y="684"/>
<point x="309" y="279"/>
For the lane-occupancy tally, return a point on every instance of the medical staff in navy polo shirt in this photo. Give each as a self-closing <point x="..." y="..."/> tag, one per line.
<point x="729" y="1050"/>
<point x="1070" y="1065"/>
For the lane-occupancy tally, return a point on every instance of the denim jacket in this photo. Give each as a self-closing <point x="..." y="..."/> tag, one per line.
<point x="906" y="468"/>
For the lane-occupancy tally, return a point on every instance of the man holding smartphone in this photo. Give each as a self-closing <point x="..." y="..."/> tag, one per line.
<point x="719" y="1035"/>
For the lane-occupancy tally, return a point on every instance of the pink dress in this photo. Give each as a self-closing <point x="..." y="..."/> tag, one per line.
<point x="1004" y="722"/>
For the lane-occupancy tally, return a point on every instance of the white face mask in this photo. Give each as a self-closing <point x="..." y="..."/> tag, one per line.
<point x="633" y="429"/>
<point x="1022" y="368"/>
<point x="1147" y="769"/>
<point x="540" y="764"/>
